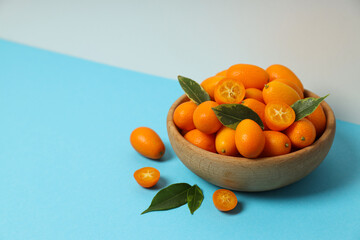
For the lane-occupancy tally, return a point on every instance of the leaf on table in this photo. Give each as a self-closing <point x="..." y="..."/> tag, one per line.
<point x="306" y="106"/>
<point x="193" y="90"/>
<point x="170" y="197"/>
<point x="230" y="115"/>
<point x="194" y="198"/>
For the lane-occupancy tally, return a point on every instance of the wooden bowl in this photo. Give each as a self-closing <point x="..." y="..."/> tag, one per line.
<point x="252" y="175"/>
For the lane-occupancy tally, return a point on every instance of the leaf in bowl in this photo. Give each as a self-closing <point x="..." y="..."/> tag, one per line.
<point x="305" y="107"/>
<point x="193" y="90"/>
<point x="230" y="115"/>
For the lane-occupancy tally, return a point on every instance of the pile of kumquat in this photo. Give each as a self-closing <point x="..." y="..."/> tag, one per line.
<point x="271" y="94"/>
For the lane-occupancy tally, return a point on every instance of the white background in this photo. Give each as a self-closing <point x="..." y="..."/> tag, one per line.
<point x="318" y="40"/>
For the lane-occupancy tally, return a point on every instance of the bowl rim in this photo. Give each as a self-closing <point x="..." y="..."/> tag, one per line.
<point x="329" y="131"/>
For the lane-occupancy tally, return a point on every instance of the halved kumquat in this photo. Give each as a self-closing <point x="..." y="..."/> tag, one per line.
<point x="147" y="177"/>
<point x="224" y="200"/>
<point x="229" y="91"/>
<point x="279" y="116"/>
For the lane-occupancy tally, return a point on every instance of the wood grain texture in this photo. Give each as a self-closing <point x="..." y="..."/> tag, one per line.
<point x="252" y="175"/>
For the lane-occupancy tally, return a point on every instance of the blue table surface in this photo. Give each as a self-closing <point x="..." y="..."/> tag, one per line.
<point x="67" y="164"/>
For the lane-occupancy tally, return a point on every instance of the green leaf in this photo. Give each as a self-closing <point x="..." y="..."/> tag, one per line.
<point x="193" y="90"/>
<point x="230" y="115"/>
<point x="194" y="198"/>
<point x="305" y="107"/>
<point x="170" y="197"/>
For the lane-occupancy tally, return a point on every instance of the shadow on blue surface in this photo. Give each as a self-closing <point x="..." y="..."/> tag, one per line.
<point x="238" y="209"/>
<point x="339" y="169"/>
<point x="169" y="154"/>
<point x="163" y="182"/>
